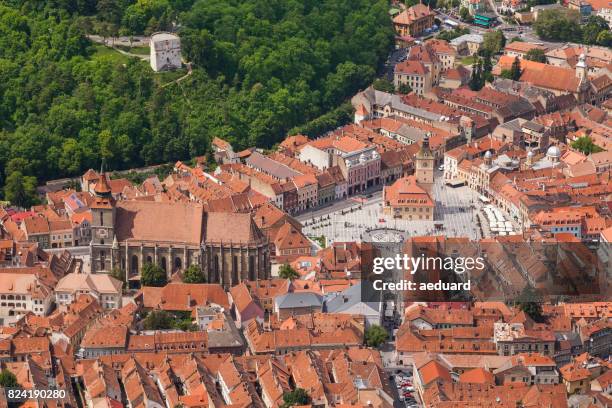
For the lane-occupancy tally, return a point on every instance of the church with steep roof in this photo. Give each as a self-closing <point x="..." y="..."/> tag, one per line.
<point x="127" y="234"/>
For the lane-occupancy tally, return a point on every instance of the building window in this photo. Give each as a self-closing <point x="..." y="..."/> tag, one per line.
<point x="102" y="260"/>
<point x="134" y="265"/>
<point x="216" y="268"/>
<point x="252" y="267"/>
<point x="235" y="269"/>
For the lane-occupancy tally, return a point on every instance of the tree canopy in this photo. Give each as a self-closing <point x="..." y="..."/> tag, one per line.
<point x="260" y="69"/>
<point x="193" y="274"/>
<point x="8" y="379"/>
<point x="536" y="54"/>
<point x="153" y="275"/>
<point x="158" y="320"/>
<point x="493" y="42"/>
<point x="449" y="35"/>
<point x="564" y="25"/>
<point x="118" y="274"/>
<point x="465" y="15"/>
<point x="162" y="320"/>
<point x="299" y="396"/>
<point x="585" y="145"/>
<point x="384" y="85"/>
<point x="530" y="302"/>
<point x="375" y="336"/>
<point x="286" y="271"/>
<point x="20" y="190"/>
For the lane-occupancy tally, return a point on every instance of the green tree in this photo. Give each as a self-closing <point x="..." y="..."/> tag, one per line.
<point x="477" y="78"/>
<point x="326" y="122"/>
<point x="604" y="39"/>
<point x="465" y="15"/>
<point x="375" y="336"/>
<point x="185" y="325"/>
<point x="505" y="73"/>
<point x="536" y="54"/>
<point x="109" y="10"/>
<point x="493" y="42"/>
<point x="449" y="35"/>
<point x="152" y="275"/>
<point x="404" y="89"/>
<point x="20" y="190"/>
<point x="258" y="71"/>
<point x="118" y="274"/>
<point x="487" y="68"/>
<point x="585" y="145"/>
<point x="515" y="69"/>
<point x="559" y="25"/>
<point x="158" y="320"/>
<point x="8" y="379"/>
<point x="530" y="302"/>
<point x="321" y="240"/>
<point x="383" y="85"/>
<point x="71" y="158"/>
<point x="287" y="272"/>
<point x="591" y="30"/>
<point x="193" y="274"/>
<point x="299" y="396"/>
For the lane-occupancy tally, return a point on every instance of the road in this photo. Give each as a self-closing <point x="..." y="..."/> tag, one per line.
<point x="394" y="58"/>
<point x="526" y="33"/>
<point x="134" y="41"/>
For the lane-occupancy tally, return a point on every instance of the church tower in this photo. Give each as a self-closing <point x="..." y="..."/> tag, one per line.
<point x="581" y="68"/>
<point x="102" y="227"/>
<point x="425" y="165"/>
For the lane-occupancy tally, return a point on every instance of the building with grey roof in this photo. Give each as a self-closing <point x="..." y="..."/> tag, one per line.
<point x="272" y="168"/>
<point x="350" y="301"/>
<point x="467" y="44"/>
<point x="297" y="303"/>
<point x="382" y="104"/>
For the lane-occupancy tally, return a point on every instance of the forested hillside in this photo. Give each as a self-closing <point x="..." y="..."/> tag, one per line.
<point x="261" y="68"/>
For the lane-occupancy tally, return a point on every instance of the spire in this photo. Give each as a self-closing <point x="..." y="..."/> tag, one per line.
<point x="102" y="188"/>
<point x="582" y="68"/>
<point x="425" y="150"/>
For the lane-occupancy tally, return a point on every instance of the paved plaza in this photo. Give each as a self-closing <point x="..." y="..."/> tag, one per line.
<point x="455" y="216"/>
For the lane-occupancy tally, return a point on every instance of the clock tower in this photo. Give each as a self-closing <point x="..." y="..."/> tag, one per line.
<point x="425" y="165"/>
<point x="102" y="227"/>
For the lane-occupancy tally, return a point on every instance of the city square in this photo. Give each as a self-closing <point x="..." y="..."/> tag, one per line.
<point x="454" y="216"/>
